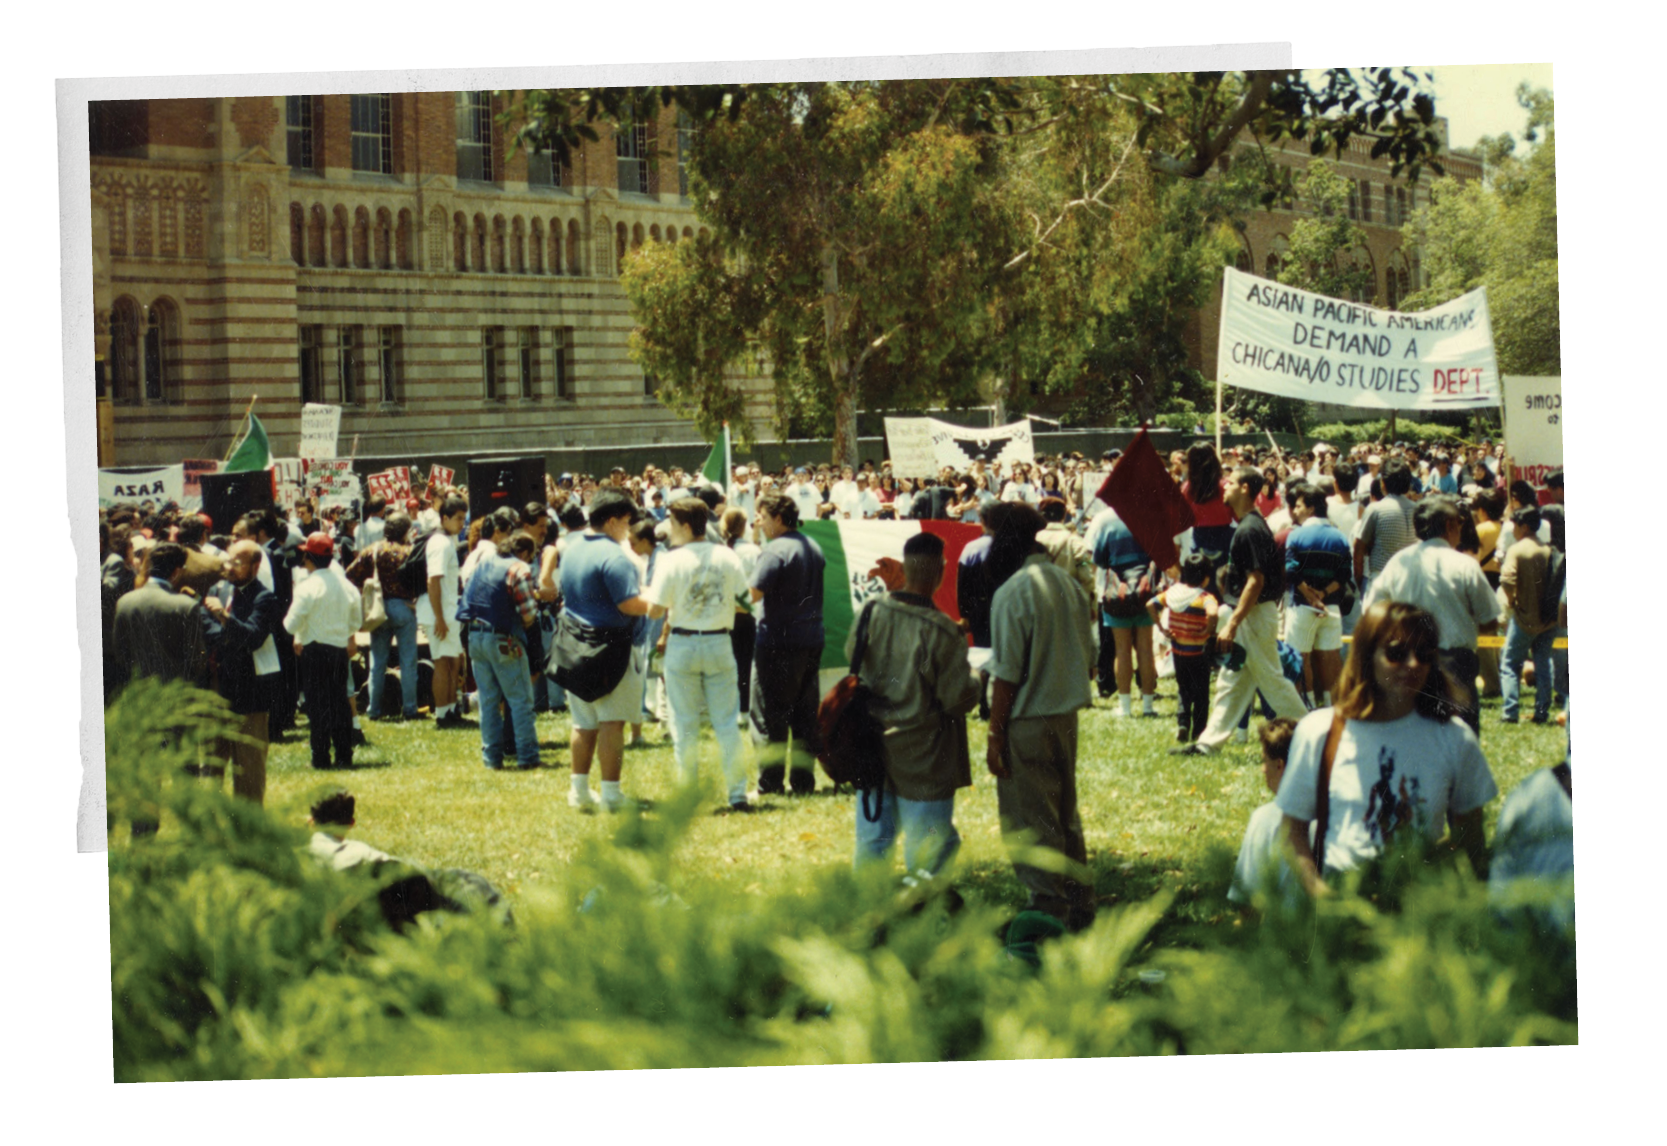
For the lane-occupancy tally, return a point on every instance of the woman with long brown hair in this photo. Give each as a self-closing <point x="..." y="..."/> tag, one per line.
<point x="1399" y="757"/>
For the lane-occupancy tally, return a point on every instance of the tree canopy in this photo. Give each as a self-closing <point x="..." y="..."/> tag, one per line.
<point x="1501" y="234"/>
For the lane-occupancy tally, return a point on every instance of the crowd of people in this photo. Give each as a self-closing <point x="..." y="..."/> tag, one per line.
<point x="624" y="599"/>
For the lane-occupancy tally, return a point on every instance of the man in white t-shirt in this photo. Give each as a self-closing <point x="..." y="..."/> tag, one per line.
<point x="743" y="492"/>
<point x="866" y="505"/>
<point x="843" y="493"/>
<point x="697" y="584"/>
<point x="437" y="611"/>
<point x="805" y="495"/>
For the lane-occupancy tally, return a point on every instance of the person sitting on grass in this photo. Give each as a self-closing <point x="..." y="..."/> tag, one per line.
<point x="1263" y="848"/>
<point x="407" y="896"/>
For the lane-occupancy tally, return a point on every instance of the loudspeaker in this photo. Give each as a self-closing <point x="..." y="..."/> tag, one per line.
<point x="227" y="497"/>
<point x="513" y="482"/>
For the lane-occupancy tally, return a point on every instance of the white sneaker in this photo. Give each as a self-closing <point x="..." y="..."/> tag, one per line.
<point x="614" y="807"/>
<point x="585" y="803"/>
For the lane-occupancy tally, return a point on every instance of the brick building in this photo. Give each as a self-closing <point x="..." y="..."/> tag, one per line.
<point x="383" y="252"/>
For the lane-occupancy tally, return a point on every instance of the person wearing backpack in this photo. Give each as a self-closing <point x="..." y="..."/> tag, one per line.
<point x="383" y="560"/>
<point x="921" y="688"/>
<point x="1525" y="576"/>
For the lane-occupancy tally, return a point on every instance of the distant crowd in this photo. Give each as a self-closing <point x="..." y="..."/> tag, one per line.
<point x="627" y="599"/>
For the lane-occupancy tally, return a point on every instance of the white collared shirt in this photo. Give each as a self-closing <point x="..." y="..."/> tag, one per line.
<point x="326" y="608"/>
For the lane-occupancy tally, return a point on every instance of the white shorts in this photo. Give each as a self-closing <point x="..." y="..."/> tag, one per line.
<point x="452" y="646"/>
<point x="1307" y="631"/>
<point x="624" y="703"/>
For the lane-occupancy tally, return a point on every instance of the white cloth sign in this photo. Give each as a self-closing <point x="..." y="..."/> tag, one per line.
<point x="1281" y="340"/>
<point x="1534" y="426"/>
<point x="920" y="447"/>
<point x="320" y="427"/>
<point x="164" y="483"/>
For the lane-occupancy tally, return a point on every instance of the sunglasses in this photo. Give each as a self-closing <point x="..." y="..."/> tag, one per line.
<point x="1398" y="652"/>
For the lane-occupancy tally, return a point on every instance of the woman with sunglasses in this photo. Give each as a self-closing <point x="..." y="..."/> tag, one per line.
<point x="1402" y="761"/>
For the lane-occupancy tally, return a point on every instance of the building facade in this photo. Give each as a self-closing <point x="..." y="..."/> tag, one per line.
<point x="384" y="252"/>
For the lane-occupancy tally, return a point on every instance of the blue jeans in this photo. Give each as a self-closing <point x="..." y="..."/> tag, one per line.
<point x="504" y="678"/>
<point x="930" y="840"/>
<point x="702" y="670"/>
<point x="1519" y="647"/>
<point x="401" y="625"/>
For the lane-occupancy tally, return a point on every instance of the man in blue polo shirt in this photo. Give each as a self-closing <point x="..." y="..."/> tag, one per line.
<point x="601" y="603"/>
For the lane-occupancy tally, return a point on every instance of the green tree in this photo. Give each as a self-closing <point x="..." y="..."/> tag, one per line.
<point x="1501" y="234"/>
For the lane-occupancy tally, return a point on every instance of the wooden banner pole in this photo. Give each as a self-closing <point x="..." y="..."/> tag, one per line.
<point x="244" y="421"/>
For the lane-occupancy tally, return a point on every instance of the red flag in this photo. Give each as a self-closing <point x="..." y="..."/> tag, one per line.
<point x="1140" y="489"/>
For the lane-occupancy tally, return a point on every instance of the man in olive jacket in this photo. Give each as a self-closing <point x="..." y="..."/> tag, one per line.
<point x="923" y="687"/>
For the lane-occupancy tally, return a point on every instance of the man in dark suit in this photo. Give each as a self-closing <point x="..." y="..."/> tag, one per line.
<point x="242" y="616"/>
<point x="156" y="631"/>
<point x="266" y="527"/>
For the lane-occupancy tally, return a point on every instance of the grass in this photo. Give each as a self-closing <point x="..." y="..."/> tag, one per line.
<point x="1152" y="821"/>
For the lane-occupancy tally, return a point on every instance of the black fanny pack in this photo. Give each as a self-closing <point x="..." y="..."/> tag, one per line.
<point x="590" y="662"/>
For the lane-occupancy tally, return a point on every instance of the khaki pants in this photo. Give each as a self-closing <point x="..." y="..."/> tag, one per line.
<point x="1039" y="796"/>
<point x="248" y="761"/>
<point x="1235" y="691"/>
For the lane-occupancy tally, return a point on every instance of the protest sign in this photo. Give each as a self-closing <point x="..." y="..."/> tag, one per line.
<point x="159" y="484"/>
<point x="909" y="446"/>
<point x="320" y="426"/>
<point x="439" y="475"/>
<point x="1534" y="426"/>
<point x="919" y="447"/>
<point x="959" y="446"/>
<point x="332" y="481"/>
<point x="1280" y="340"/>
<point x="393" y="483"/>
<point x="191" y="496"/>
<point x="289" y="481"/>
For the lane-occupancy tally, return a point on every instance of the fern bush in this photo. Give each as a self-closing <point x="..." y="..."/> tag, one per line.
<point x="233" y="955"/>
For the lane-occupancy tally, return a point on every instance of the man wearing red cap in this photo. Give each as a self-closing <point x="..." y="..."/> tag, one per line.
<point x="323" y="617"/>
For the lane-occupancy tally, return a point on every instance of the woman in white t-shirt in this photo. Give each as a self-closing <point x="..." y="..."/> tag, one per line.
<point x="1403" y="761"/>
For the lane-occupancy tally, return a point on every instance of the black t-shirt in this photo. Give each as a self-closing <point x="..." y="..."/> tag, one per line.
<point x="789" y="572"/>
<point x="1254" y="550"/>
<point x="1553" y="512"/>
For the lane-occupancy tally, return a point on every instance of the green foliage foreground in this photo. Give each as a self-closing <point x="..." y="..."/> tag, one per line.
<point x="234" y="956"/>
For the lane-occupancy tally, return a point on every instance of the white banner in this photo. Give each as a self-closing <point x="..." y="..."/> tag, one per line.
<point x="162" y="484"/>
<point x="1534" y="426"/>
<point x="959" y="446"/>
<point x="920" y="447"/>
<point x="1281" y="340"/>
<point x="320" y="427"/>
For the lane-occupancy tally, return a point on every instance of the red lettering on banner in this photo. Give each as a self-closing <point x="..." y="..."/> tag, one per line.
<point x="1459" y="381"/>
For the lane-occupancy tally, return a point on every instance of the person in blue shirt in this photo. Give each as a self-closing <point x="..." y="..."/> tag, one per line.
<point x="1318" y="569"/>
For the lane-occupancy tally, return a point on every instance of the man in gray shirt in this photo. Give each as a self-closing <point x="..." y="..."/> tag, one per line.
<point x="1041" y="656"/>
<point x="1386" y="526"/>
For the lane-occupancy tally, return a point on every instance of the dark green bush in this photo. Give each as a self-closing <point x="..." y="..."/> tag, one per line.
<point x="234" y="956"/>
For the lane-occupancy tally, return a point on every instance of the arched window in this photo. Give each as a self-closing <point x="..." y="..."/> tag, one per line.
<point x="298" y="234"/>
<point x="575" y="250"/>
<point x="704" y="234"/>
<point x="124" y="351"/>
<point x="622" y="242"/>
<point x="636" y="236"/>
<point x="361" y="237"/>
<point x="161" y="350"/>
<point x="556" y="264"/>
<point x="671" y="234"/>
<point x="338" y="238"/>
<point x="1243" y="262"/>
<point x="518" y="245"/>
<point x="498" y="244"/>
<point x="460" y="242"/>
<point x="1274" y="264"/>
<point x="688" y="232"/>
<point x="403" y="240"/>
<point x="315" y="237"/>
<point x="654" y="232"/>
<point x="535" y="248"/>
<point x="384" y="238"/>
<point x="478" y="261"/>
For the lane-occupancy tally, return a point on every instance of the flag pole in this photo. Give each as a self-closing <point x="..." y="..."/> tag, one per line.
<point x="1218" y="417"/>
<point x="729" y="465"/>
<point x="242" y="422"/>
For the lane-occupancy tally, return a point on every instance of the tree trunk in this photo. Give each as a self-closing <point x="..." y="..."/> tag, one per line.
<point x="839" y="362"/>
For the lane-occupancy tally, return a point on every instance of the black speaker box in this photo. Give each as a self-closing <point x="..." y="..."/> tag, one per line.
<point x="513" y="482"/>
<point x="227" y="497"/>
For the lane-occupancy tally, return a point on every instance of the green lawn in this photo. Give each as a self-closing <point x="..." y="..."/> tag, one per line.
<point x="1151" y="820"/>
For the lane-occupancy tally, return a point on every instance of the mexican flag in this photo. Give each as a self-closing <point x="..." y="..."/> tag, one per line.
<point x="718" y="468"/>
<point x="251" y="451"/>
<point x="853" y="551"/>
